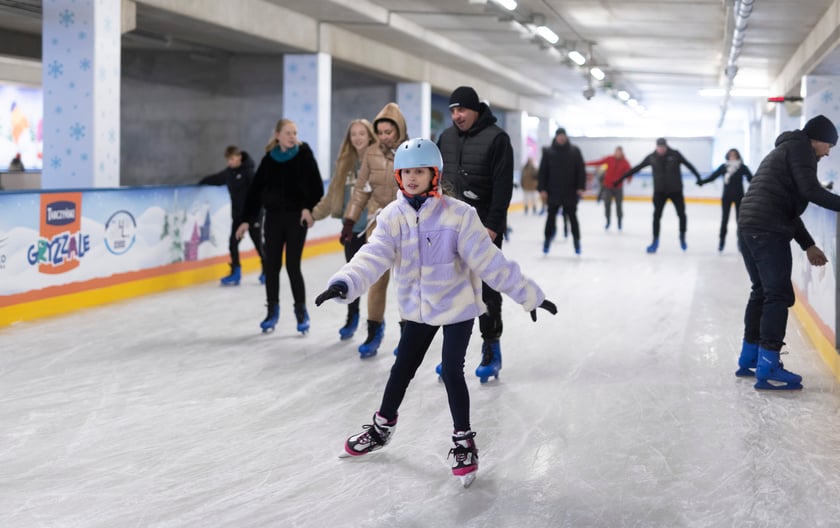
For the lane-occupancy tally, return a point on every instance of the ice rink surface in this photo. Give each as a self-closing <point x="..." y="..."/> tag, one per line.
<point x="620" y="411"/>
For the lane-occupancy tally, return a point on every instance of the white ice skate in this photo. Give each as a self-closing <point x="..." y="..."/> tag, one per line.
<point x="374" y="437"/>
<point x="465" y="463"/>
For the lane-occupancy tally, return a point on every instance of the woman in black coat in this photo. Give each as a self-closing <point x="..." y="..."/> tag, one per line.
<point x="733" y="172"/>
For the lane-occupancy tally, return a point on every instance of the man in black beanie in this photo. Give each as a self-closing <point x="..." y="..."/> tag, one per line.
<point x="478" y="169"/>
<point x="783" y="186"/>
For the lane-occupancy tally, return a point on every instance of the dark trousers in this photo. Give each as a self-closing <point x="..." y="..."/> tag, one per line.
<point x="351" y="248"/>
<point x="727" y="202"/>
<point x="414" y="342"/>
<point x="490" y="323"/>
<point x="233" y="243"/>
<point x="659" y="199"/>
<point x="768" y="261"/>
<point x="569" y="214"/>
<point x="282" y="230"/>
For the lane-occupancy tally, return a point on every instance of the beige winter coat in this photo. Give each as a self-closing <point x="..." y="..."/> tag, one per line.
<point x="376" y="186"/>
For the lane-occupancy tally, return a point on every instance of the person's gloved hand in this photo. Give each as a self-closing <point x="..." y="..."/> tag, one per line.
<point x="336" y="289"/>
<point x="346" y="231"/>
<point x="547" y="306"/>
<point x="699" y="183"/>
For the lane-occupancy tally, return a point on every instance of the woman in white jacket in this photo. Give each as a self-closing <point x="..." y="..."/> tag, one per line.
<point x="440" y="253"/>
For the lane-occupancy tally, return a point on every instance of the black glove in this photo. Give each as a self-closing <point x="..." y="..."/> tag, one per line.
<point x="699" y="183"/>
<point x="336" y="289"/>
<point x="546" y="305"/>
<point x="346" y="231"/>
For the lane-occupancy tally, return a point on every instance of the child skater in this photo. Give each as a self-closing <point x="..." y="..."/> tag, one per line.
<point x="440" y="253"/>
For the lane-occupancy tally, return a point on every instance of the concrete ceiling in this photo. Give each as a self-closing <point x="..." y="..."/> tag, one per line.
<point x="660" y="51"/>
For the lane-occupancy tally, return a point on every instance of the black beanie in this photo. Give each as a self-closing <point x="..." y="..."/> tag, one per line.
<point x="822" y="129"/>
<point x="465" y="96"/>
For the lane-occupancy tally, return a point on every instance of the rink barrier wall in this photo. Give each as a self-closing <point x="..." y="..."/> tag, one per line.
<point x="820" y="335"/>
<point x="58" y="300"/>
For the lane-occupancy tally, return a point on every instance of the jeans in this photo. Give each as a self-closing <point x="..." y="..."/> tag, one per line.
<point x="659" y="199"/>
<point x="768" y="261"/>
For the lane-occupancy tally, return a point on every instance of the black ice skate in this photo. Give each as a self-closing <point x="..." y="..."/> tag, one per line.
<point x="375" y="436"/>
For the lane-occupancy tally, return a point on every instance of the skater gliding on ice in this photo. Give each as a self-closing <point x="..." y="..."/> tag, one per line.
<point x="733" y="171"/>
<point x="443" y="237"/>
<point x="288" y="185"/>
<point x="783" y="186"/>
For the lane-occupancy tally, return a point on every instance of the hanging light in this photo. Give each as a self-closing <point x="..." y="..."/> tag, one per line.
<point x="549" y="35"/>
<point x="577" y="57"/>
<point x="598" y="73"/>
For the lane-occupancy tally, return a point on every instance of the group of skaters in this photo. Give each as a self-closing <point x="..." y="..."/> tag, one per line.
<point x="434" y="215"/>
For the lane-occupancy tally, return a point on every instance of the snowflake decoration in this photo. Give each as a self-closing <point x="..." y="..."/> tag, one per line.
<point x="58" y="109"/>
<point x="55" y="69"/>
<point x="827" y="96"/>
<point x="77" y="131"/>
<point x="55" y="162"/>
<point x="112" y="135"/>
<point x="54" y="41"/>
<point x="82" y="35"/>
<point x="84" y="157"/>
<point x="65" y="18"/>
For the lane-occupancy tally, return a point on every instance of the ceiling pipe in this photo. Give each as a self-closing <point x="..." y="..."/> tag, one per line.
<point x="743" y="10"/>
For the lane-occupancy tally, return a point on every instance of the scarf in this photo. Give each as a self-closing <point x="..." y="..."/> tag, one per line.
<point x="732" y="167"/>
<point x="281" y="156"/>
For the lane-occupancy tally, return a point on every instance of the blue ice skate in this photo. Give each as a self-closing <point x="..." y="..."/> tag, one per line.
<point x="376" y="331"/>
<point x="302" y="317"/>
<point x="234" y="277"/>
<point x="262" y="278"/>
<point x="770" y="369"/>
<point x="491" y="361"/>
<point x="270" y="320"/>
<point x="748" y="360"/>
<point x="349" y="328"/>
<point x="683" y="245"/>
<point x="653" y="247"/>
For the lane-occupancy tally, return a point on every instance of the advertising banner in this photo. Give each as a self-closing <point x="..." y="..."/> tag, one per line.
<point x="55" y="238"/>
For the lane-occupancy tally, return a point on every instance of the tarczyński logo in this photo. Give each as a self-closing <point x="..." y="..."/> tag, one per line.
<point x="61" y="213"/>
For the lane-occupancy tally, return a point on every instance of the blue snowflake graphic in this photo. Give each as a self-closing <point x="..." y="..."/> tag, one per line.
<point x="112" y="135"/>
<point x="58" y="109"/>
<point x="54" y="41"/>
<point x="827" y="96"/>
<point x="82" y="35"/>
<point x="55" y="162"/>
<point x="65" y="18"/>
<point x="55" y="69"/>
<point x="84" y="157"/>
<point x="72" y="85"/>
<point x="77" y="131"/>
<point x="69" y="151"/>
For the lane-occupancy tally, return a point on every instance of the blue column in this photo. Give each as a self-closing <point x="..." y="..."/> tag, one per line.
<point x="81" y="81"/>
<point x="307" y="93"/>
<point x="415" y="100"/>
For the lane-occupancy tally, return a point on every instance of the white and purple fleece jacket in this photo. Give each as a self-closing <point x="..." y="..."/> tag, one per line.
<point x="439" y="254"/>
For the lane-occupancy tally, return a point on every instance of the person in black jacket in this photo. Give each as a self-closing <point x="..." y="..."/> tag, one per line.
<point x="478" y="169"/>
<point x="733" y="172"/>
<point x="562" y="183"/>
<point x="784" y="184"/>
<point x="667" y="185"/>
<point x="237" y="176"/>
<point x="288" y="185"/>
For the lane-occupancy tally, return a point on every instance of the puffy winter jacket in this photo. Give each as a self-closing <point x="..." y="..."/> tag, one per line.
<point x="783" y="185"/>
<point x="439" y="254"/>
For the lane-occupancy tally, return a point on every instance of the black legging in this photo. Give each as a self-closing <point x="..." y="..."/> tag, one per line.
<point x="351" y="248"/>
<point x="659" y="199"/>
<point x="414" y="342"/>
<point x="490" y="322"/>
<point x="233" y="243"/>
<point x="282" y="229"/>
<point x="727" y="202"/>
<point x="569" y="213"/>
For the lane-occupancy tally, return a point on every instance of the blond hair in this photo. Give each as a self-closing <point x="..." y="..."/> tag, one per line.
<point x="277" y="128"/>
<point x="348" y="158"/>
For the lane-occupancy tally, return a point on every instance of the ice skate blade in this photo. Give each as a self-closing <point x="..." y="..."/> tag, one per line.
<point x="467" y="479"/>
<point x="268" y="330"/>
<point x="485" y="379"/>
<point x="765" y="385"/>
<point x="745" y="373"/>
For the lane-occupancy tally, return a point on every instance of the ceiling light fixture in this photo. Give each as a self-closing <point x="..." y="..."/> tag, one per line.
<point x="598" y="73"/>
<point x="510" y="5"/>
<point x="623" y="95"/>
<point x="577" y="57"/>
<point x="549" y="35"/>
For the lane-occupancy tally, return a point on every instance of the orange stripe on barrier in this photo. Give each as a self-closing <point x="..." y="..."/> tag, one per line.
<point x="820" y="334"/>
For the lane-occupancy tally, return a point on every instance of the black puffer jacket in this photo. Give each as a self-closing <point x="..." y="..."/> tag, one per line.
<point x="562" y="174"/>
<point x="238" y="182"/>
<point x="478" y="168"/>
<point x="784" y="184"/>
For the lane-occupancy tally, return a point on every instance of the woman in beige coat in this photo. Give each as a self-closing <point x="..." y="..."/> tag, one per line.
<point x="375" y="188"/>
